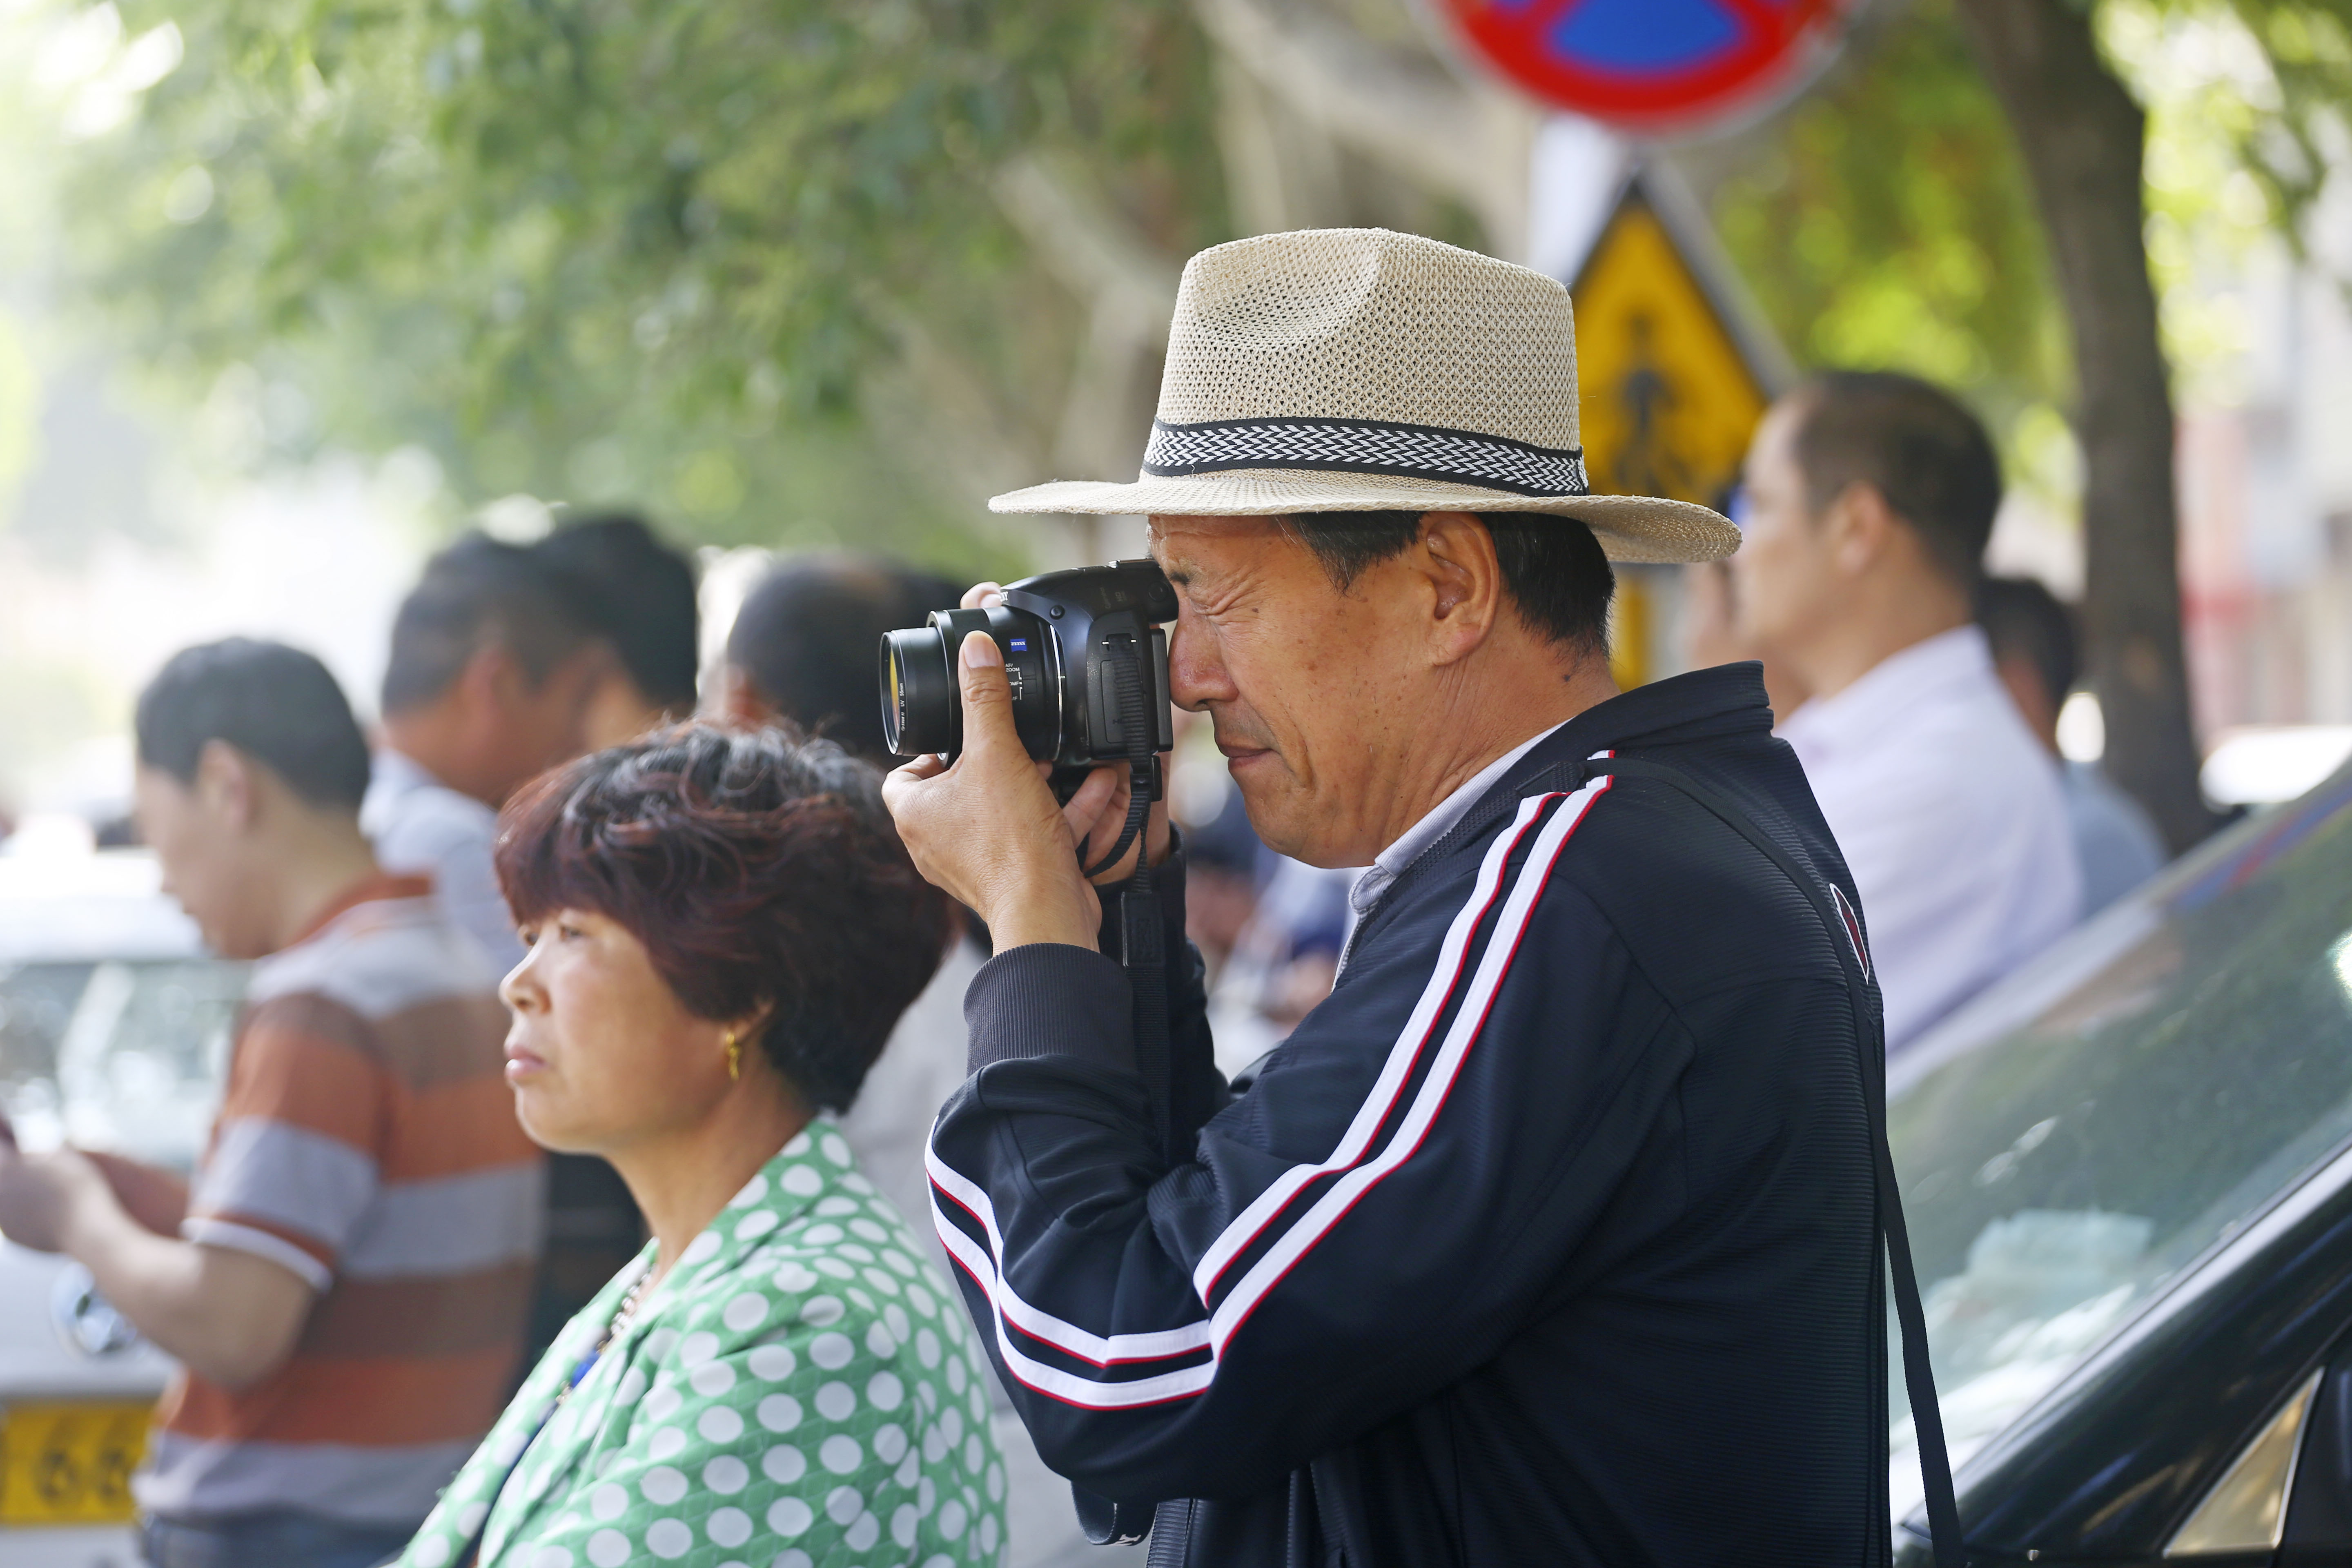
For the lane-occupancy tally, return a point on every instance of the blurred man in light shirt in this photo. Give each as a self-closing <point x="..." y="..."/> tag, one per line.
<point x="1868" y="500"/>
<point x="641" y="597"/>
<point x="507" y="660"/>
<point x="494" y="664"/>
<point x="2034" y="644"/>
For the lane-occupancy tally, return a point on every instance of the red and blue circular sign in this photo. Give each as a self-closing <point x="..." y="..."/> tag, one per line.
<point x="1653" y="64"/>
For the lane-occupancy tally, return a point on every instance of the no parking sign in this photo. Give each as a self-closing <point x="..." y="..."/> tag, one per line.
<point x="1653" y="66"/>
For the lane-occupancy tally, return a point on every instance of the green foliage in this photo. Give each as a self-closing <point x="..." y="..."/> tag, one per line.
<point x="2247" y="102"/>
<point x="2289" y="143"/>
<point x="613" y="249"/>
<point x="1886" y="221"/>
<point x="677" y="253"/>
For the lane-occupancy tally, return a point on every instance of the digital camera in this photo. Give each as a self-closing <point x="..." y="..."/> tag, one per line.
<point x="1085" y="654"/>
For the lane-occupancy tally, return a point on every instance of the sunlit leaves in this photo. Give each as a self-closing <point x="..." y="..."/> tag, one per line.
<point x="1889" y="222"/>
<point x="608" y="249"/>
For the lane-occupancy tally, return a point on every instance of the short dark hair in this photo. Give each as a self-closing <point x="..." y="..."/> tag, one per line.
<point x="1916" y="445"/>
<point x="640" y="595"/>
<point x="1554" y="570"/>
<point x="276" y="704"/>
<point x="758" y="868"/>
<point x="476" y="592"/>
<point x="807" y="636"/>
<point x="2022" y="620"/>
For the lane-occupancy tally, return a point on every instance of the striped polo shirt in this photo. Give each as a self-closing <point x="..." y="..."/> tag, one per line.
<point x="367" y="1142"/>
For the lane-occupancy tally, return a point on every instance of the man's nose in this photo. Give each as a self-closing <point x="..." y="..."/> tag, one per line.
<point x="1196" y="674"/>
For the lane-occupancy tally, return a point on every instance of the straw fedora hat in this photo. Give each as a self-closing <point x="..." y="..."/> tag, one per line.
<point x="1359" y="370"/>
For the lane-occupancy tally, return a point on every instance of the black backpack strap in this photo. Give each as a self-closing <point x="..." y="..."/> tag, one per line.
<point x="1845" y="936"/>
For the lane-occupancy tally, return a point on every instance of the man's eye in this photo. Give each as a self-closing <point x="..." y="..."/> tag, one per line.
<point x="527" y="935"/>
<point x="570" y="932"/>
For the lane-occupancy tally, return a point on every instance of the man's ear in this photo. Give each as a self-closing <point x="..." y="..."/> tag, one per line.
<point x="1860" y="528"/>
<point x="581" y="673"/>
<point x="224" y="785"/>
<point x="491" y="680"/>
<point x="1457" y="556"/>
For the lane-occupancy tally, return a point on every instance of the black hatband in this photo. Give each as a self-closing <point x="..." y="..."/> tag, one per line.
<point x="1366" y="447"/>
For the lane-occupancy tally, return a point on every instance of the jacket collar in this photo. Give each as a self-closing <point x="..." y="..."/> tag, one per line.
<point x="1704" y="705"/>
<point x="1723" y="703"/>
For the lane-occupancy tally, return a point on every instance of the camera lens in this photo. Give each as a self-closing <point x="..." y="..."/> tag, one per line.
<point x="922" y="699"/>
<point x="919" y="700"/>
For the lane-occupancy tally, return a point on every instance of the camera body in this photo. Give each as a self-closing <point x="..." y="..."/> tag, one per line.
<point x="1068" y="638"/>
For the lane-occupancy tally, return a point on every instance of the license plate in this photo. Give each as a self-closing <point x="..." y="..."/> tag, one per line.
<point x="70" y="1463"/>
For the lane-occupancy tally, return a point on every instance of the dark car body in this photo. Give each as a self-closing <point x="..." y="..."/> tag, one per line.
<point x="2128" y="1172"/>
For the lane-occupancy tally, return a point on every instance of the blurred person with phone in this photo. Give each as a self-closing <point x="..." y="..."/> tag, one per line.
<point x="345" y="1279"/>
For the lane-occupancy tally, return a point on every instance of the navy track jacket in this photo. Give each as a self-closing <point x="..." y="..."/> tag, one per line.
<point x="1549" y="1238"/>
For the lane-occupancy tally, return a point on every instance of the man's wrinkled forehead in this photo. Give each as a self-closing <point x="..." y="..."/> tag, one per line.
<point x="1203" y="550"/>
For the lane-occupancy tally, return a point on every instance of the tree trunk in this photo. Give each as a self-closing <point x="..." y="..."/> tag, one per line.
<point x="2082" y="138"/>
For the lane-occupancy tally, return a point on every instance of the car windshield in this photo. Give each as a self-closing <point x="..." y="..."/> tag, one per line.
<point x="2089" y="1128"/>
<point x="125" y="1055"/>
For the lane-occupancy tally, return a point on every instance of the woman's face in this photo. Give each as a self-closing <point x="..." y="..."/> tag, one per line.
<point x="603" y="1054"/>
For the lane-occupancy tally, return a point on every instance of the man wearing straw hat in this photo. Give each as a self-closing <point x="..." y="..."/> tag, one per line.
<point x="1551" y="1237"/>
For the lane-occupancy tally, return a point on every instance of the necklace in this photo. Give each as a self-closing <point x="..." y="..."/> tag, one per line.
<point x="622" y="1320"/>
<point x="628" y="1314"/>
<point x="469" y="1557"/>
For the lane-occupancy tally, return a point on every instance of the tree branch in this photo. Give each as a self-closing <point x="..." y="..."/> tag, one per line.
<point x="1413" y="119"/>
<point x="2082" y="138"/>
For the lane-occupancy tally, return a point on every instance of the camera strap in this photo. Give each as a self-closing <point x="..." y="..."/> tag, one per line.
<point x="1919" y="1376"/>
<point x="1142" y="951"/>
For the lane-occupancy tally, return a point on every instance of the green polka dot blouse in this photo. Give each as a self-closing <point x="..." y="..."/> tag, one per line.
<point x="800" y="1392"/>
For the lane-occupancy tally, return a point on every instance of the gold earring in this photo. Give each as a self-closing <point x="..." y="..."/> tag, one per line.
<point x="734" y="1056"/>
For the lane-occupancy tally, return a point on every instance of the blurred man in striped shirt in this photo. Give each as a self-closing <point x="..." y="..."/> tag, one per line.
<point x="345" y="1280"/>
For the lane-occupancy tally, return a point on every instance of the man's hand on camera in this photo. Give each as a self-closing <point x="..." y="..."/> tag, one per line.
<point x="1097" y="813"/>
<point x="1098" y="816"/>
<point x="988" y="829"/>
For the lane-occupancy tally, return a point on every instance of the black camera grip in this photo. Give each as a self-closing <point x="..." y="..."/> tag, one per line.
<point x="1143" y="954"/>
<point x="1136" y="726"/>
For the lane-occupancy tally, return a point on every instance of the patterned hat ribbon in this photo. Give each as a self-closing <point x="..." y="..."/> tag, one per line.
<point x="1365" y="447"/>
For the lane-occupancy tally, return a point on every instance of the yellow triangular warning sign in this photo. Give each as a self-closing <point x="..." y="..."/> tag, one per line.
<point x="1670" y="396"/>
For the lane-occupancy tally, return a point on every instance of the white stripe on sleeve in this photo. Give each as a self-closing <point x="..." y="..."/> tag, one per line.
<point x="235" y="1237"/>
<point x="1011" y="1309"/>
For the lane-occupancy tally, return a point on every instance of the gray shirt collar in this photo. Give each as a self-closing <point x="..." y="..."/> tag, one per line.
<point x="1391" y="863"/>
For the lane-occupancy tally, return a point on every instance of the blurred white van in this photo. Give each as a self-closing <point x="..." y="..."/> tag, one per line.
<point x="114" y="1034"/>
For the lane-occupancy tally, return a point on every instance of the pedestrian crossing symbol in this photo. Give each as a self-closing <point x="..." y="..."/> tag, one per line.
<point x="1670" y="394"/>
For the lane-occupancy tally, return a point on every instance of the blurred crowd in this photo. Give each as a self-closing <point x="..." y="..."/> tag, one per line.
<point x="1921" y="694"/>
<point x="1920" y="697"/>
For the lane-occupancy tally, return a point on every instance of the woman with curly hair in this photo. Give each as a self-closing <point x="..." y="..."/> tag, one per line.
<point x="722" y="928"/>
